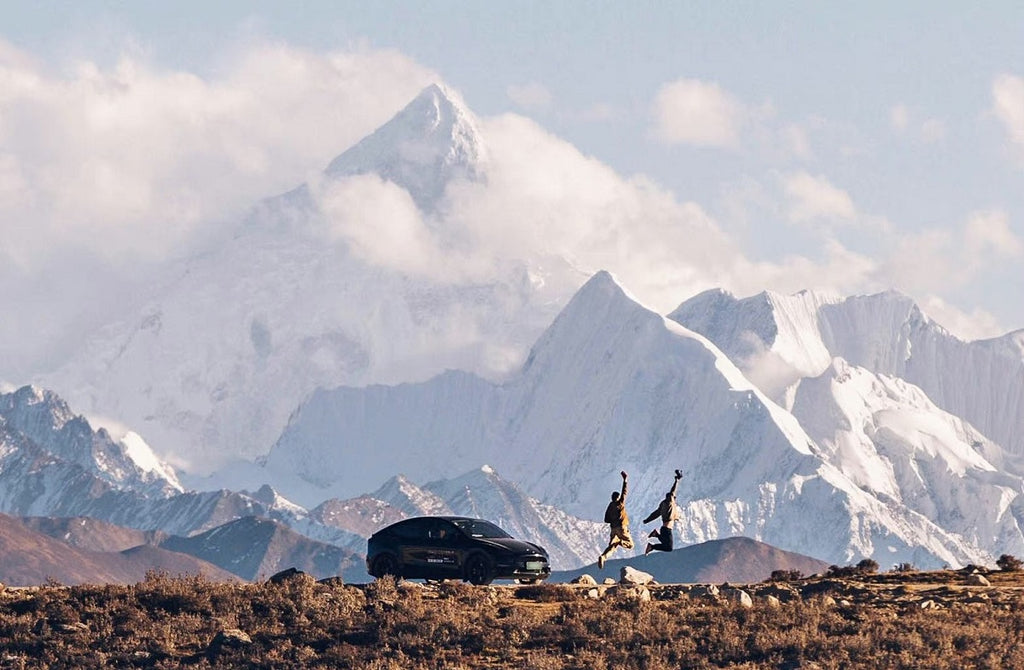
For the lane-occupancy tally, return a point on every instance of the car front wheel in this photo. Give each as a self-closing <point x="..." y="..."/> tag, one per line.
<point x="479" y="570"/>
<point x="386" y="565"/>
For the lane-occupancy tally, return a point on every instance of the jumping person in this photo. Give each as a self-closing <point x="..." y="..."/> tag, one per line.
<point x="615" y="515"/>
<point x="667" y="510"/>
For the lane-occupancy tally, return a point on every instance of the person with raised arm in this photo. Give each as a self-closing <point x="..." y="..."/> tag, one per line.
<point x="616" y="517"/>
<point x="669" y="512"/>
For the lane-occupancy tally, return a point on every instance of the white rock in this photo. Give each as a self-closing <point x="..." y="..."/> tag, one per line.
<point x="630" y="575"/>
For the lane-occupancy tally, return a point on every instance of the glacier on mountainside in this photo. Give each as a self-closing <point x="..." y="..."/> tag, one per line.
<point x="777" y="339"/>
<point x="891" y="440"/>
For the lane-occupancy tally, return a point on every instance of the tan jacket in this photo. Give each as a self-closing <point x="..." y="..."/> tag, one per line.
<point x="667" y="508"/>
<point x="615" y="513"/>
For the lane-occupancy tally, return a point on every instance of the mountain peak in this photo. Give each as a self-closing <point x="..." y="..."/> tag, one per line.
<point x="429" y="143"/>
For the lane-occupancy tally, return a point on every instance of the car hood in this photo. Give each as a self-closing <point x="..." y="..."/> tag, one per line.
<point x="513" y="545"/>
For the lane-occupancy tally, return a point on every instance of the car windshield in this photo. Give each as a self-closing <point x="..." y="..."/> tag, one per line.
<point x="477" y="528"/>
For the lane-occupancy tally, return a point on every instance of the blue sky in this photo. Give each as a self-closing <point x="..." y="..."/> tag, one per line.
<point x="866" y="146"/>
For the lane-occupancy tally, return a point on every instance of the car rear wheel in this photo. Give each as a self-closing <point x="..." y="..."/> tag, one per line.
<point x="479" y="570"/>
<point x="386" y="565"/>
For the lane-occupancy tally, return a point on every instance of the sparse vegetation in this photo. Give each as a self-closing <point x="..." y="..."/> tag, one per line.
<point x="905" y="620"/>
<point x="867" y="566"/>
<point x="1009" y="563"/>
<point x="785" y="576"/>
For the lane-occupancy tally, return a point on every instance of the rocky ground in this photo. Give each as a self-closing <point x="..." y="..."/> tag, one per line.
<point x="944" y="619"/>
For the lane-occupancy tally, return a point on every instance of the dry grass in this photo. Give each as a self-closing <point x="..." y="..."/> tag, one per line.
<point x="167" y="622"/>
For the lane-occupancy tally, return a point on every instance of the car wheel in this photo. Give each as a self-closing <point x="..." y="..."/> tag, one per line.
<point x="386" y="565"/>
<point x="528" y="581"/>
<point x="479" y="570"/>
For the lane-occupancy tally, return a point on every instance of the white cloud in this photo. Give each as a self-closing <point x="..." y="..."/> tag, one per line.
<point x="529" y="96"/>
<point x="545" y="202"/>
<point x="1008" y="105"/>
<point x="988" y="234"/>
<point x="930" y="261"/>
<point x="105" y="172"/>
<point x="691" y="111"/>
<point x="814" y="198"/>
<point x="379" y="222"/>
<point x="974" y="325"/>
<point x="130" y="160"/>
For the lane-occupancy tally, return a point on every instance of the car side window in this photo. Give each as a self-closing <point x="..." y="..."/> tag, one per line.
<point x="414" y="531"/>
<point x="441" y="531"/>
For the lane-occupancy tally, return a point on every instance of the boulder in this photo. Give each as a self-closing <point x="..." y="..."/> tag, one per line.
<point x="630" y="575"/>
<point x="287" y="575"/>
<point x="739" y="597"/>
<point x="71" y="628"/>
<point x="705" y="591"/>
<point x="772" y="602"/>
<point x="783" y="592"/>
<point x="608" y="581"/>
<point x="594" y="594"/>
<point x="977" y="579"/>
<point x="585" y="580"/>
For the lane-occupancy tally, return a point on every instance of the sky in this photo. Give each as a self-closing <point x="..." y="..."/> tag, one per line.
<point x="686" y="145"/>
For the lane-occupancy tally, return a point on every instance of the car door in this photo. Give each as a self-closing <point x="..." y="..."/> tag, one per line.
<point x="442" y="552"/>
<point x="429" y="550"/>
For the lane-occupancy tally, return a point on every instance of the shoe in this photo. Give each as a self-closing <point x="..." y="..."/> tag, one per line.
<point x="600" y="562"/>
<point x="649" y="549"/>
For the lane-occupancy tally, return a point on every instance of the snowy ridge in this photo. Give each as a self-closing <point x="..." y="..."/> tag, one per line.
<point x="609" y="386"/>
<point x="889" y="438"/>
<point x="981" y="382"/>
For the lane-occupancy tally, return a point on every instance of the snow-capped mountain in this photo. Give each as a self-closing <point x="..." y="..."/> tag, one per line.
<point x="430" y="144"/>
<point x="45" y="419"/>
<point x="52" y="463"/>
<point x="223" y="348"/>
<point x="609" y="386"/>
<point x="892" y="441"/>
<point x="777" y="339"/>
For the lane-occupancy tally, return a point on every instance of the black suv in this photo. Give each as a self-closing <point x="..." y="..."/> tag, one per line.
<point x="454" y="547"/>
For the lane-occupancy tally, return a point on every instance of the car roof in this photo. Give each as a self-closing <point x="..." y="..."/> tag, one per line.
<point x="449" y="518"/>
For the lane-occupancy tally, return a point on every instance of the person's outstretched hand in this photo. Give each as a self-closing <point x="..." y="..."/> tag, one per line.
<point x="679" y="474"/>
<point x="623" y="473"/>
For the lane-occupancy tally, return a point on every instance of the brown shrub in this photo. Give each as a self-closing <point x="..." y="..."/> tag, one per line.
<point x="171" y="622"/>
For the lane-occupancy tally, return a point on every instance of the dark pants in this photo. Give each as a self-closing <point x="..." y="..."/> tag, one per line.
<point x="664" y="536"/>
